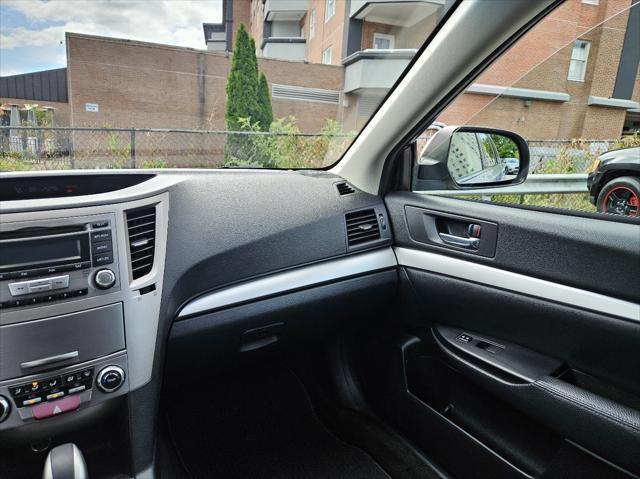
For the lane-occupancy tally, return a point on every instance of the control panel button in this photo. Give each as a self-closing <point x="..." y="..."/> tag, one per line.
<point x="51" y="383"/>
<point x="100" y="224"/>
<point x="60" y="282"/>
<point x="105" y="278"/>
<point x="17" y="390"/>
<point x="5" y="408"/>
<point x="102" y="247"/>
<point x="31" y="402"/>
<point x="104" y="258"/>
<point x="52" y="396"/>
<point x="77" y="389"/>
<point x="18" y="289"/>
<point x="464" y="338"/>
<point x="59" y="406"/>
<point x="110" y="378"/>
<point x="40" y="288"/>
<point x="102" y="235"/>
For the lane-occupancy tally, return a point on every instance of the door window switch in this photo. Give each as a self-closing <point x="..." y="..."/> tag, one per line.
<point x="464" y="338"/>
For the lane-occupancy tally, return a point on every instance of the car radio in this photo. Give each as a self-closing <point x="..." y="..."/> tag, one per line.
<point x="57" y="260"/>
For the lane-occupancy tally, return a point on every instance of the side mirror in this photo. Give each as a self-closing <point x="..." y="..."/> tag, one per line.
<point x="470" y="157"/>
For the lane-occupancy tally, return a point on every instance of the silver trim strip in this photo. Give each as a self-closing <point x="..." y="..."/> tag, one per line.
<point x="291" y="280"/>
<point x="499" y="278"/>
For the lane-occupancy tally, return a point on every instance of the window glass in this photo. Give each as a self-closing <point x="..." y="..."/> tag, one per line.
<point x="330" y="10"/>
<point x="579" y="57"/>
<point x="382" y="41"/>
<point x="312" y="25"/>
<point x="169" y="84"/>
<point x="326" y="56"/>
<point x="571" y="88"/>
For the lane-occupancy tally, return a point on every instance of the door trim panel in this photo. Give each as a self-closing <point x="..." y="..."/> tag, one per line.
<point x="516" y="282"/>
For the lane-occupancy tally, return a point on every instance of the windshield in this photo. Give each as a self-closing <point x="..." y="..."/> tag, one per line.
<point x="197" y="84"/>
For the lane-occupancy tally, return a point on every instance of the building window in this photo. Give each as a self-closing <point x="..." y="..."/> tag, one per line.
<point x="591" y="2"/>
<point x="579" y="57"/>
<point x="329" y="10"/>
<point x="326" y="56"/>
<point x="382" y="41"/>
<point x="312" y="24"/>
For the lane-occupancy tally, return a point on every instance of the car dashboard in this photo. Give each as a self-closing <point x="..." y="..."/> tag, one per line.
<point x="111" y="282"/>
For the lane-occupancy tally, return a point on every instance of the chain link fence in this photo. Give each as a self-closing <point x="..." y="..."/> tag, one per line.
<point x="41" y="148"/>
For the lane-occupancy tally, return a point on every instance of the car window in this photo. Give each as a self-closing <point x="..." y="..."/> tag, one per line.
<point x="571" y="88"/>
<point x="139" y="84"/>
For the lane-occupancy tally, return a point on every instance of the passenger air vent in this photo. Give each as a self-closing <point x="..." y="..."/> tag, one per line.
<point x="362" y="227"/>
<point x="345" y="189"/>
<point x="141" y="225"/>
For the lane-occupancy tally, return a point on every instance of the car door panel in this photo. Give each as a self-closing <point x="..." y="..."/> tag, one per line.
<point x="548" y="381"/>
<point x="595" y="255"/>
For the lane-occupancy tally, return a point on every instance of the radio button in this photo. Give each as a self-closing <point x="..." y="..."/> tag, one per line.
<point x="100" y="236"/>
<point x="24" y="274"/>
<point x="40" y="288"/>
<point x="18" y="289"/>
<point x="100" y="224"/>
<point x="102" y="247"/>
<point x="4" y="276"/>
<point x="60" y="282"/>
<point x="35" y="300"/>
<point x="106" y="258"/>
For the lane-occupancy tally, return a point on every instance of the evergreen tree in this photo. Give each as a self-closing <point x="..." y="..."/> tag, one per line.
<point x="264" y="103"/>
<point x="242" y="83"/>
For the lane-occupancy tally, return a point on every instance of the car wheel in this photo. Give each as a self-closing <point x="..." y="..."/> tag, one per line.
<point x="620" y="197"/>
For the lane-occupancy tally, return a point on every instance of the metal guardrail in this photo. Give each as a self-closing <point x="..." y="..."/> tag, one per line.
<point x="534" y="185"/>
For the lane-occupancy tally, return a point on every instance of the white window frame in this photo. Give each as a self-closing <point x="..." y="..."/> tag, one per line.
<point x="385" y="36"/>
<point x="329" y="10"/>
<point x="312" y="24"/>
<point x="324" y="55"/>
<point x="591" y="2"/>
<point x="586" y="61"/>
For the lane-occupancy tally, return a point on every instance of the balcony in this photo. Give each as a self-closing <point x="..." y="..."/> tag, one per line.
<point x="284" y="48"/>
<point x="375" y="69"/>
<point x="284" y="10"/>
<point x="215" y="36"/>
<point x="397" y="13"/>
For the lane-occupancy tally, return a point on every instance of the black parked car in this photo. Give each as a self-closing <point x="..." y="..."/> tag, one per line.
<point x="614" y="182"/>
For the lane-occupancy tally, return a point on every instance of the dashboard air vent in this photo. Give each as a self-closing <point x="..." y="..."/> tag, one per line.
<point x="362" y="227"/>
<point x="345" y="188"/>
<point x="141" y="225"/>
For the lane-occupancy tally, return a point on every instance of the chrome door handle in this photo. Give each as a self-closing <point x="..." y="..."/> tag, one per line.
<point x="461" y="242"/>
<point x="51" y="359"/>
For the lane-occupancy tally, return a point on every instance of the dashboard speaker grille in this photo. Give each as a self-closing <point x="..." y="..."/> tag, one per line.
<point x="141" y="225"/>
<point x="362" y="227"/>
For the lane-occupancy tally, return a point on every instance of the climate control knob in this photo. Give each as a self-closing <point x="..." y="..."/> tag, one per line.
<point x="5" y="408"/>
<point x="105" y="278"/>
<point x="110" y="378"/>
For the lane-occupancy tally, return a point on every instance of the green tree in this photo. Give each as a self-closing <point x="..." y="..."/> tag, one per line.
<point x="264" y="103"/>
<point x="242" y="82"/>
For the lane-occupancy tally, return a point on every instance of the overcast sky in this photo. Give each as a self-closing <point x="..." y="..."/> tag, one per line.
<point x="32" y="31"/>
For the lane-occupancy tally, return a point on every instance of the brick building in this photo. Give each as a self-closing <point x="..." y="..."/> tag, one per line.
<point x="336" y="59"/>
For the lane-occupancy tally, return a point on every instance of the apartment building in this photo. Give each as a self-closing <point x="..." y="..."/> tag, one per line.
<point x="547" y="86"/>
<point x="336" y="59"/>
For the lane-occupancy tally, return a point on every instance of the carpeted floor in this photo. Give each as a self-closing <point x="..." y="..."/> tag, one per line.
<point x="262" y="426"/>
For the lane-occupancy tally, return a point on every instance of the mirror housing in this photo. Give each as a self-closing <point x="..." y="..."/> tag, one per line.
<point x="482" y="151"/>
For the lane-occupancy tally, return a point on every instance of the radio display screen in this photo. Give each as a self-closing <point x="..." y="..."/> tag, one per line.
<point x="26" y="254"/>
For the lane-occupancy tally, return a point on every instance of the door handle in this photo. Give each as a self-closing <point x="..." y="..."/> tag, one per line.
<point x="460" y="241"/>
